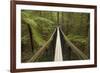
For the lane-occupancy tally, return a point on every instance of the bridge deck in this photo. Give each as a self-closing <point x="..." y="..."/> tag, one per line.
<point x="58" y="49"/>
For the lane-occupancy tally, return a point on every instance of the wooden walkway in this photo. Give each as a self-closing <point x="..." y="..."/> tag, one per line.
<point x="58" y="49"/>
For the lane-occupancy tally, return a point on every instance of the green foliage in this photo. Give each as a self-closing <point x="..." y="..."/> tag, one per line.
<point x="38" y="26"/>
<point x="80" y="41"/>
<point x="33" y="21"/>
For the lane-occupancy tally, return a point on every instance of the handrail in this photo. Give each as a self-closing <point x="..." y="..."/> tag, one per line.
<point x="77" y="51"/>
<point x="39" y="52"/>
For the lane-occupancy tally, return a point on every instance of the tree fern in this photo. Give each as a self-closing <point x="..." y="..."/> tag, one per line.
<point x="33" y="22"/>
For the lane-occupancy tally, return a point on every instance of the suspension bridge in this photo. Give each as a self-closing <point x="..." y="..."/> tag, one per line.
<point x="63" y="49"/>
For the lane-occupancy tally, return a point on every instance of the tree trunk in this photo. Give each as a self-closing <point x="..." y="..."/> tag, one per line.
<point x="31" y="38"/>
